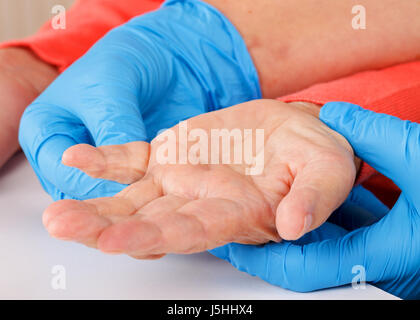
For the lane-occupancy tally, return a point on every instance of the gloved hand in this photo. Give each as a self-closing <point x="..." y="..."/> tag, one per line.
<point x="140" y="78"/>
<point x="388" y="250"/>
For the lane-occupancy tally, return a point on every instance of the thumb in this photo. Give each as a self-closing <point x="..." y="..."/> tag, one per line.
<point x="388" y="144"/>
<point x="318" y="189"/>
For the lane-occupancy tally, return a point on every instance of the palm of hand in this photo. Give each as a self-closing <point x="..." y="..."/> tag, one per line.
<point x="184" y="208"/>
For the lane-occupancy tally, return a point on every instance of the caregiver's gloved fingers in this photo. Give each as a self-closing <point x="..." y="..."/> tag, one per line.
<point x="365" y="199"/>
<point x="325" y="231"/>
<point x="310" y="267"/>
<point x="308" y="264"/>
<point x="83" y="221"/>
<point x="126" y="163"/>
<point x="360" y="209"/>
<point x="317" y="190"/>
<point x="350" y="217"/>
<point x="111" y="94"/>
<point x="385" y="142"/>
<point x="86" y="104"/>
<point x="142" y="74"/>
<point x="267" y="261"/>
<point x="46" y="131"/>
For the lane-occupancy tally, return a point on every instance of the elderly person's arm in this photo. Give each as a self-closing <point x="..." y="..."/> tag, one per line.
<point x="295" y="44"/>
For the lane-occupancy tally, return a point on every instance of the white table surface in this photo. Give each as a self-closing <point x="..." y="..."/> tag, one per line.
<point x="28" y="255"/>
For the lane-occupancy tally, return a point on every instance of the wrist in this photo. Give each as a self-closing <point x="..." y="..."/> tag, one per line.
<point x="314" y="110"/>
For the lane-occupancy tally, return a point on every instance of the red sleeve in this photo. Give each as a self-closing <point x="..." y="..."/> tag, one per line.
<point x="394" y="90"/>
<point x="86" y="22"/>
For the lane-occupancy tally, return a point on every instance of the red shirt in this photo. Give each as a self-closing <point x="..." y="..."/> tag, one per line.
<point x="394" y="90"/>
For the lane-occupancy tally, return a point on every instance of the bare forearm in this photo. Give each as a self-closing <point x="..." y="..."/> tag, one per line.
<point x="22" y="78"/>
<point x="295" y="44"/>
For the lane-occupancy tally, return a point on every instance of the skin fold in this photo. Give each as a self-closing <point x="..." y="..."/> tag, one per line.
<point x="184" y="208"/>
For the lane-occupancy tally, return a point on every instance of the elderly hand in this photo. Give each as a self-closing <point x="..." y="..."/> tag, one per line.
<point x="307" y="171"/>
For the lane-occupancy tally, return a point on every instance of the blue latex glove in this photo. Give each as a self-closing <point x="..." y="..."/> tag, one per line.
<point x="389" y="250"/>
<point x="158" y="69"/>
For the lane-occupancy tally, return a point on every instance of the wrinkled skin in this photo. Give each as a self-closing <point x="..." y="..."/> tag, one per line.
<point x="184" y="208"/>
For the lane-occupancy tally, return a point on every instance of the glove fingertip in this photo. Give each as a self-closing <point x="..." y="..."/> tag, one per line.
<point x="332" y="112"/>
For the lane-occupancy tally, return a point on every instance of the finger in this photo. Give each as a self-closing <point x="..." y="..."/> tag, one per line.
<point x="230" y="251"/>
<point x="117" y="88"/>
<point x="317" y="190"/>
<point x="148" y="257"/>
<point x="153" y="229"/>
<point x="385" y="142"/>
<point x="92" y="104"/>
<point x="125" y="163"/>
<point x="46" y="131"/>
<point x="314" y="266"/>
<point x="71" y="181"/>
<point x="84" y="221"/>
<point x="181" y="226"/>
<point x="318" y="265"/>
<point x="241" y="255"/>
<point x="74" y="221"/>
